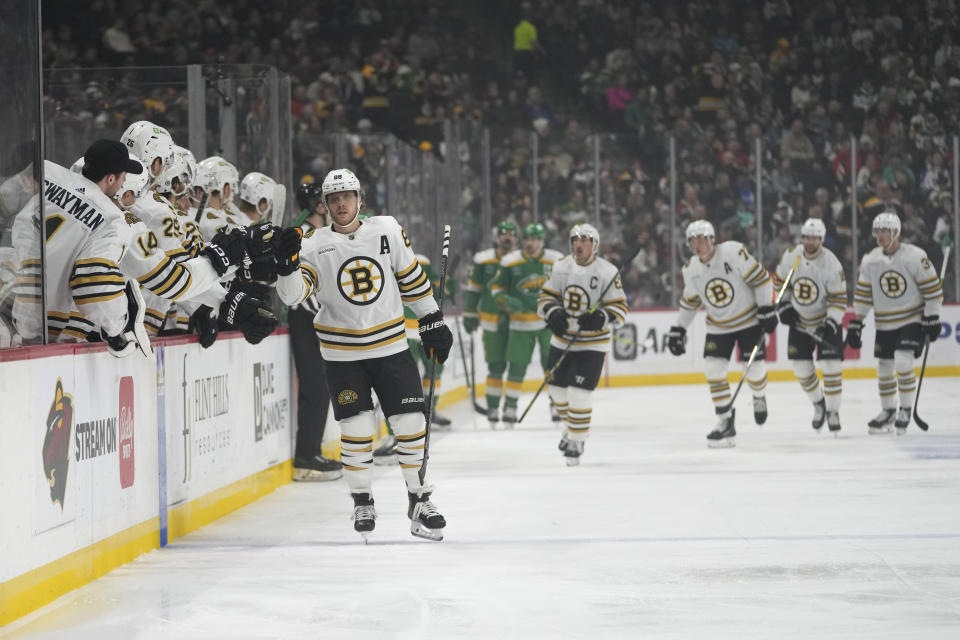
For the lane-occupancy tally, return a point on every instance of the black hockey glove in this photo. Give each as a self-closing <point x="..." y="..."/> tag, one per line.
<point x="829" y="333"/>
<point x="204" y="326"/>
<point x="677" y="341"/>
<point x="226" y="249"/>
<point x="287" y="250"/>
<point x="854" y="334"/>
<point x="251" y="316"/>
<point x="788" y="315"/>
<point x="435" y="336"/>
<point x="557" y="321"/>
<point x="931" y="326"/>
<point x="596" y="320"/>
<point x="767" y="318"/>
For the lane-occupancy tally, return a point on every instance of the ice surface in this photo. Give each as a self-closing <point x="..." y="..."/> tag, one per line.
<point x="792" y="534"/>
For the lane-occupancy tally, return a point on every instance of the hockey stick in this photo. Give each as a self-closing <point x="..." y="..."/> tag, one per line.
<point x="433" y="361"/>
<point x="926" y="350"/>
<point x="200" y="207"/>
<point x="547" y="375"/>
<point x="473" y="376"/>
<point x="753" y="354"/>
<point x="468" y="373"/>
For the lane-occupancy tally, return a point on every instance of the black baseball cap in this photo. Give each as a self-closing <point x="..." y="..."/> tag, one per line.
<point x="108" y="156"/>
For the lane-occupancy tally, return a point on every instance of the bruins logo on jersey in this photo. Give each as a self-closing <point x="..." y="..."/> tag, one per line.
<point x="805" y="291"/>
<point x="575" y="299"/>
<point x="361" y="280"/>
<point x="718" y="292"/>
<point x="893" y="284"/>
<point x="347" y="396"/>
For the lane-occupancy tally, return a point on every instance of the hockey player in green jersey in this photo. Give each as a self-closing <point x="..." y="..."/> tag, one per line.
<point x="515" y="289"/>
<point x="479" y="310"/>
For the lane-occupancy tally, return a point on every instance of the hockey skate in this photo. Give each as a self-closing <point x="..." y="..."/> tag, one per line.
<point x="386" y="451"/>
<point x="833" y="423"/>
<point x="903" y="420"/>
<point x="425" y="521"/>
<point x="572" y="452"/>
<point x="724" y="434"/>
<point x="563" y="443"/>
<point x="760" y="409"/>
<point x="493" y="418"/>
<point x="316" y="469"/>
<point x="364" y="515"/>
<point x="819" y="414"/>
<point x="882" y="423"/>
<point x="509" y="417"/>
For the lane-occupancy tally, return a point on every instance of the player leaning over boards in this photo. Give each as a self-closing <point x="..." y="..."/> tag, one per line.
<point x="898" y="281"/>
<point x="570" y="303"/>
<point x="479" y="309"/>
<point x="515" y="289"/>
<point x="813" y="308"/>
<point x="363" y="272"/>
<point x="738" y="295"/>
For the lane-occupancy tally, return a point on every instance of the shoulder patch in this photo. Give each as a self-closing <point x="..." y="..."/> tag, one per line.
<point x="211" y="216"/>
<point x="130" y="218"/>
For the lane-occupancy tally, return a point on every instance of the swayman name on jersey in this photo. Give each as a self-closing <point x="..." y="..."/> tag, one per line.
<point x="361" y="281"/>
<point x="731" y="286"/>
<point x="818" y="288"/>
<point x="576" y="289"/>
<point x="900" y="288"/>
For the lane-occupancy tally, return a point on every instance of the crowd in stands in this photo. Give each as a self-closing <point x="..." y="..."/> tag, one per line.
<point x="804" y="78"/>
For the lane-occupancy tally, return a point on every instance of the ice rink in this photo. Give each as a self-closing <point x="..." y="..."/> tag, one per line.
<point x="792" y="534"/>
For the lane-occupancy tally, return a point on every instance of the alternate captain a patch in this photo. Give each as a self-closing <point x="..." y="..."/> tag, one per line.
<point x="361" y="280"/>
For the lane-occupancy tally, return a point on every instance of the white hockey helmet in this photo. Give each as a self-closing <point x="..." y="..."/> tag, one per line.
<point x="147" y="142"/>
<point x="585" y="230"/>
<point x="887" y="220"/>
<point x="182" y="169"/>
<point x="135" y="182"/>
<point x="223" y="172"/>
<point x="340" y="180"/>
<point x="700" y="228"/>
<point x="255" y="187"/>
<point x="813" y="227"/>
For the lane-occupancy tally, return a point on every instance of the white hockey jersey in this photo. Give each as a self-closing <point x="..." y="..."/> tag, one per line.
<point x="213" y="221"/>
<point x="577" y="289"/>
<point x="818" y="288"/>
<point x="361" y="280"/>
<point x="900" y="288"/>
<point x="732" y="285"/>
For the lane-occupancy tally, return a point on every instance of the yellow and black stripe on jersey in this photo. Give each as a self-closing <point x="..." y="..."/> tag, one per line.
<point x="77" y="326"/>
<point x="757" y="276"/>
<point x="169" y="279"/>
<point x="616" y="308"/>
<point x="413" y="283"/>
<point x="96" y="280"/>
<point x="740" y="320"/>
<point x="837" y="300"/>
<point x="691" y="303"/>
<point x="863" y="294"/>
<point x="28" y="285"/>
<point x="547" y="301"/>
<point x="931" y="288"/>
<point x="898" y="316"/>
<point x="345" y="339"/>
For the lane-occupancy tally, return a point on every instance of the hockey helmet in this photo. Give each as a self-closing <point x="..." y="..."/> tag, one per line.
<point x="181" y="170"/>
<point x="534" y="230"/>
<point x="585" y="230"/>
<point x="256" y="187"/>
<point x="222" y="171"/>
<point x="813" y="227"/>
<point x="887" y="220"/>
<point x="700" y="228"/>
<point x="147" y="142"/>
<point x="340" y="180"/>
<point x="309" y="195"/>
<point x="507" y="226"/>
<point x="135" y="182"/>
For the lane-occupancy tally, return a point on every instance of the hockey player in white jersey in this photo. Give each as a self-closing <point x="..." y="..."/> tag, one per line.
<point x="899" y="283"/>
<point x="363" y="272"/>
<point x="217" y="179"/>
<point x="570" y="303"/>
<point x="813" y="308"/>
<point x="258" y="195"/>
<point x="738" y="295"/>
<point x="152" y="144"/>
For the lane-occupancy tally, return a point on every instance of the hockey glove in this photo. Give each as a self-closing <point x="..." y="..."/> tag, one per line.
<point x="788" y="315"/>
<point x="470" y="322"/>
<point x="931" y="326"/>
<point x="829" y="333"/>
<point x="854" y="334"/>
<point x="287" y="250"/>
<point x="435" y="336"/>
<point x="509" y="303"/>
<point x="767" y="318"/>
<point x="557" y="321"/>
<point x="677" y="340"/>
<point x="249" y="315"/>
<point x="226" y="249"/>
<point x="204" y="325"/>
<point x="134" y="334"/>
<point x="596" y="320"/>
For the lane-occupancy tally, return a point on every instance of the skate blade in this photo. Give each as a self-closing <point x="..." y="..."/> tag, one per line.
<point x="572" y="462"/>
<point x="421" y="531"/>
<point x="879" y="431"/>
<point x="312" y="475"/>
<point x="365" y="535"/>
<point x="726" y="443"/>
<point x="901" y="431"/>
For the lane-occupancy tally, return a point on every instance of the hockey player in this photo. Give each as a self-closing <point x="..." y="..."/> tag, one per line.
<point x="363" y="272"/>
<point x="581" y="302"/>
<point x="813" y="308"/>
<point x="515" y="289"/>
<point x="257" y="195"/>
<point x="218" y="179"/>
<point x="898" y="281"/>
<point x="479" y="309"/>
<point x="738" y="295"/>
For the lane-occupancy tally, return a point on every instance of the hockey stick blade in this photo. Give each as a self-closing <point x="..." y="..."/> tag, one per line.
<point x="924" y="426"/>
